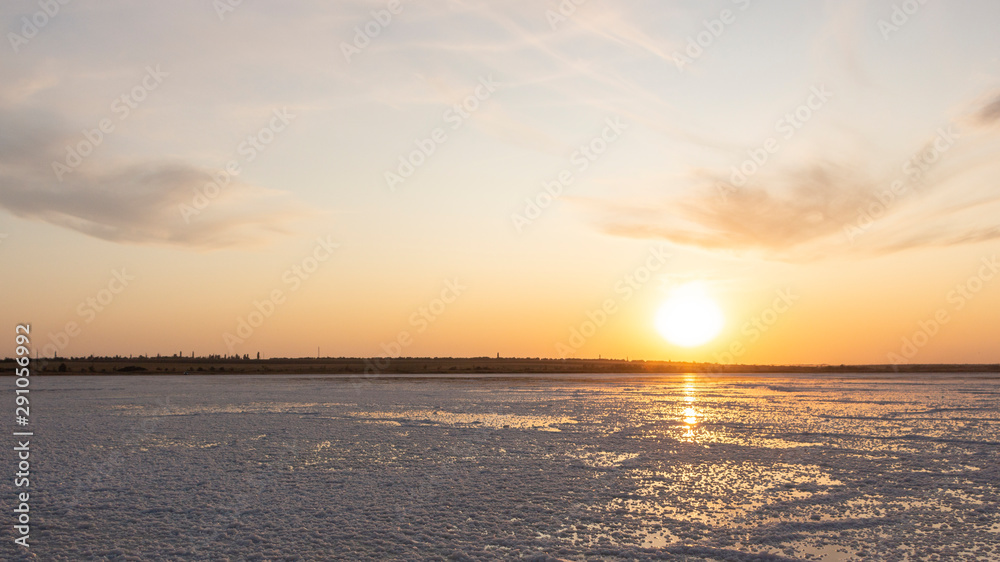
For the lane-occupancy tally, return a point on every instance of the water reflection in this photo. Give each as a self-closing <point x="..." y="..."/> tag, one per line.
<point x="691" y="415"/>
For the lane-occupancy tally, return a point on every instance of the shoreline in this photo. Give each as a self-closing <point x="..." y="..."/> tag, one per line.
<point x="379" y="366"/>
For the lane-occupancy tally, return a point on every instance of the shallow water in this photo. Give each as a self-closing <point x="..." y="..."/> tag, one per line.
<point x="687" y="467"/>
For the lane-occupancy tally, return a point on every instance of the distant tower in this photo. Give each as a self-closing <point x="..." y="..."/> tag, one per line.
<point x="498" y="355"/>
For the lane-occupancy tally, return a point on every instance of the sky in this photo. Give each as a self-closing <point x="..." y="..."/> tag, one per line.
<point x="534" y="179"/>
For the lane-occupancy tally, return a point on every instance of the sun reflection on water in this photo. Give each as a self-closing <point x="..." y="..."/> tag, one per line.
<point x="691" y="415"/>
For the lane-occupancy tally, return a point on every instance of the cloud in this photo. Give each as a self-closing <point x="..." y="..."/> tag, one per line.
<point x="141" y="204"/>
<point x="990" y="112"/>
<point x="135" y="203"/>
<point x="941" y="238"/>
<point x="820" y="209"/>
<point x="801" y="208"/>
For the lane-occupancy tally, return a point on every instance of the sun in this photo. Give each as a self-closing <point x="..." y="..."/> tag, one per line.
<point x="689" y="317"/>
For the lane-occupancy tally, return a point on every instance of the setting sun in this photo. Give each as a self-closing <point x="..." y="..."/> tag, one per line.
<point x="689" y="317"/>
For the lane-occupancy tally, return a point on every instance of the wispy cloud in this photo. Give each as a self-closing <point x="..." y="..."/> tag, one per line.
<point x="990" y="112"/>
<point x="133" y="203"/>
<point x="802" y="207"/>
<point x="802" y="213"/>
<point x="140" y="205"/>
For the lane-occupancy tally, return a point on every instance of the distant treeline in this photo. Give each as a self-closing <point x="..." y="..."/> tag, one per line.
<point x="441" y="365"/>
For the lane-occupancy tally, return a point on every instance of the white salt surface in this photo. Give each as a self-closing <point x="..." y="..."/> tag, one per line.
<point x="581" y="467"/>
